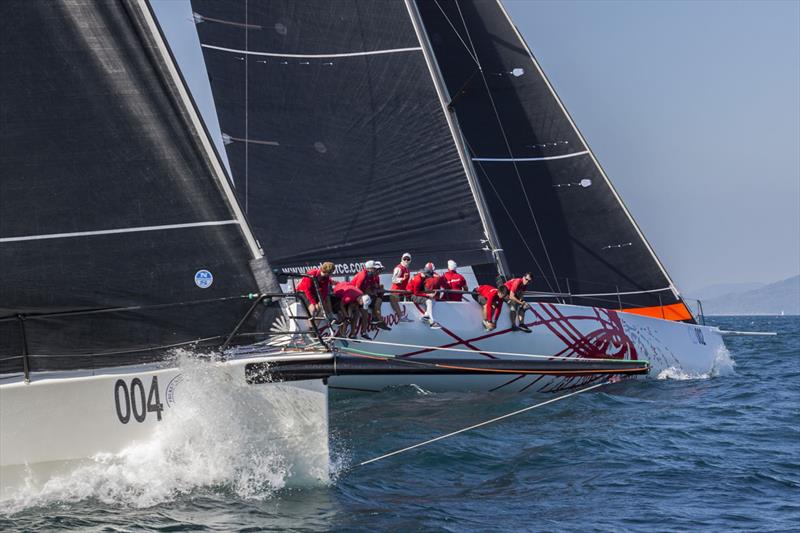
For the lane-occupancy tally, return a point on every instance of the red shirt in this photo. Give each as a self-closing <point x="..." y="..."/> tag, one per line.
<point x="516" y="286"/>
<point x="492" y="300"/>
<point x="435" y="283"/>
<point x="453" y="281"/>
<point x="347" y="292"/>
<point x="417" y="285"/>
<point x="306" y="285"/>
<point x="404" y="277"/>
<point x="365" y="282"/>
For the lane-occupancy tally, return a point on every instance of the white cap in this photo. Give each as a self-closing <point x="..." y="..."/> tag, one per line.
<point x="366" y="300"/>
<point x="378" y="265"/>
<point x="369" y="264"/>
<point x="451" y="265"/>
<point x="405" y="254"/>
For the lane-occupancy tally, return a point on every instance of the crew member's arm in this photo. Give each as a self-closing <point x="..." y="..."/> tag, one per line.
<point x="497" y="309"/>
<point x="487" y="311"/>
<point x="397" y="276"/>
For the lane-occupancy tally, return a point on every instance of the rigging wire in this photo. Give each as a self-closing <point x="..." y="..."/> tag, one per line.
<point x="475" y="59"/>
<point x="513" y="222"/>
<point x="480" y="424"/>
<point x="246" y="108"/>
<point x="508" y="148"/>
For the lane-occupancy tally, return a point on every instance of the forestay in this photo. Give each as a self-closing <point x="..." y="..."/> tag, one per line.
<point x="117" y="239"/>
<point x="337" y="141"/>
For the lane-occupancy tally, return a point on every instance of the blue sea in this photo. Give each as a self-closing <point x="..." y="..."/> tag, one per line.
<point x="716" y="453"/>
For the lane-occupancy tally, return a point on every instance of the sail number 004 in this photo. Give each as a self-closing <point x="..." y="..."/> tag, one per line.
<point x="133" y="402"/>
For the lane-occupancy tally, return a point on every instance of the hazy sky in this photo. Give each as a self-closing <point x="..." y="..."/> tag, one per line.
<point x="692" y="108"/>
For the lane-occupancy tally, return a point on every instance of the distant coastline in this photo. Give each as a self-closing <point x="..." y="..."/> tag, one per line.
<point x="773" y="299"/>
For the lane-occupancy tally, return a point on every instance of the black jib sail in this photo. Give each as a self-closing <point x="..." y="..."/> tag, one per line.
<point x="117" y="237"/>
<point x="554" y="210"/>
<point x="338" y="144"/>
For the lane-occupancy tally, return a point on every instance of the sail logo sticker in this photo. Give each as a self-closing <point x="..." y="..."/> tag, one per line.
<point x="203" y="279"/>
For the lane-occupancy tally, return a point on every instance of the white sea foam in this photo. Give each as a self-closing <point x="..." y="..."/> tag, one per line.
<point x="723" y="365"/>
<point x="251" y="440"/>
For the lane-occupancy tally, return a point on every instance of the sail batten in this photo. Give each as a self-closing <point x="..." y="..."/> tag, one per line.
<point x="312" y="56"/>
<point x="115" y="231"/>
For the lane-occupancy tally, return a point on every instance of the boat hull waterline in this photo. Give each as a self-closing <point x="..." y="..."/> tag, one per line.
<point x="73" y="419"/>
<point x="559" y="331"/>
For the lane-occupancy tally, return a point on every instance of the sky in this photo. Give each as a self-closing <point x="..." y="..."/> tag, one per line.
<point x="692" y="108"/>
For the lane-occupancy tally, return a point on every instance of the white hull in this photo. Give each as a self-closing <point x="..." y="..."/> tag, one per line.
<point x="558" y="331"/>
<point x="60" y="422"/>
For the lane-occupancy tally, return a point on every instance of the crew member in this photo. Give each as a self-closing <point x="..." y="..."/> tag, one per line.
<point x="368" y="281"/>
<point x="422" y="296"/>
<point x="314" y="288"/>
<point x="491" y="299"/>
<point x="452" y="280"/>
<point x="400" y="278"/>
<point x="516" y="302"/>
<point x="347" y="304"/>
<point x="435" y="285"/>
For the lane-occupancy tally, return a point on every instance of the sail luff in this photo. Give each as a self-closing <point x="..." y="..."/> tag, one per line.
<point x="455" y="131"/>
<point x="588" y="149"/>
<point x="190" y="107"/>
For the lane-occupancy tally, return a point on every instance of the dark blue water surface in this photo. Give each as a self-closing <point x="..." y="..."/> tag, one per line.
<point x="719" y="453"/>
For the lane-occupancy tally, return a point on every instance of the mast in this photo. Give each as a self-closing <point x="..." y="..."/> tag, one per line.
<point x="455" y="130"/>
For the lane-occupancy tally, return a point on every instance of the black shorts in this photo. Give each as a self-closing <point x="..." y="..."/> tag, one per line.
<point x="421" y="300"/>
<point x="514" y="306"/>
<point x="336" y="304"/>
<point x="303" y="297"/>
<point x="478" y="298"/>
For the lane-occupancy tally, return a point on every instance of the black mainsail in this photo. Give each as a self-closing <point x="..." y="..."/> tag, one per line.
<point x="334" y="128"/>
<point x="337" y="142"/>
<point x="119" y="236"/>
<point x="555" y="211"/>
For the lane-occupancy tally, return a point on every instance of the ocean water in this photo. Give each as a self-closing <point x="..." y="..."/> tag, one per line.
<point x="679" y="453"/>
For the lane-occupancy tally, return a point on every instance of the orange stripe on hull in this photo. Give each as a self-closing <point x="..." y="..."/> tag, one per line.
<point x="676" y="311"/>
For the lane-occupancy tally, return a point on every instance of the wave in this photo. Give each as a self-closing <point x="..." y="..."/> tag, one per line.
<point x="244" y="439"/>
<point x="723" y="365"/>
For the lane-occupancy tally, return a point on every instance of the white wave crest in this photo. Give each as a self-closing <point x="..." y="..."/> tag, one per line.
<point x="723" y="365"/>
<point x="222" y="435"/>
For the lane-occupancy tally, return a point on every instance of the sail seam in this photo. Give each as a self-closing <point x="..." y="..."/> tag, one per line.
<point x="512" y="159"/>
<point x="314" y="56"/>
<point x="117" y="230"/>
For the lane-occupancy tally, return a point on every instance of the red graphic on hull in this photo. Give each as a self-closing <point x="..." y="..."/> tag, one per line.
<point x="607" y="340"/>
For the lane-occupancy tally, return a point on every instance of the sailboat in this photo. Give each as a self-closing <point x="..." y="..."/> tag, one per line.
<point x="363" y="129"/>
<point x="121" y="241"/>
